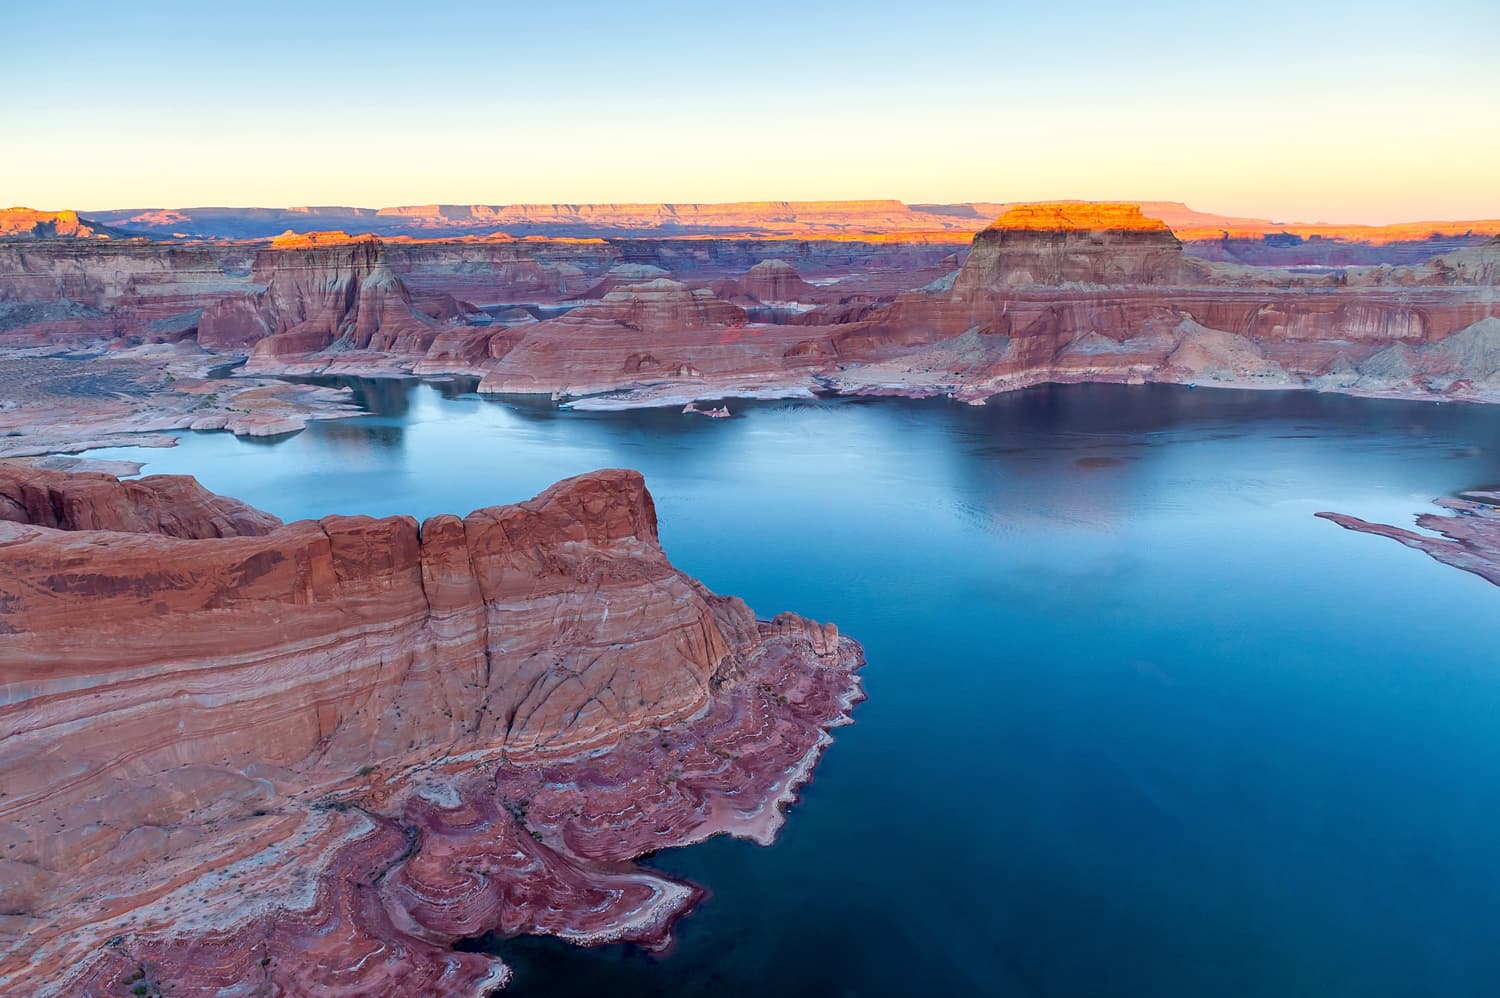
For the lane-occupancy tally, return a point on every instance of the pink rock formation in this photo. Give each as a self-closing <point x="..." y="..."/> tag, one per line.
<point x="1115" y="299"/>
<point x="1050" y="292"/>
<point x="241" y="757"/>
<point x="1468" y="536"/>
<point x="1061" y="244"/>
<point x="777" y="281"/>
<point x="658" y="331"/>
<point x="321" y="289"/>
<point x="659" y="305"/>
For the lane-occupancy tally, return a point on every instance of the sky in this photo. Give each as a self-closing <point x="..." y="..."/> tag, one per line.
<point x="1332" y="111"/>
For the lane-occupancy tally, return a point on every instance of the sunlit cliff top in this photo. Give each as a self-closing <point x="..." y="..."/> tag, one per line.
<point x="1053" y="216"/>
<point x="310" y="240"/>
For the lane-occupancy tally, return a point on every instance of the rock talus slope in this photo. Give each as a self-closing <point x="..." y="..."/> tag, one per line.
<point x="252" y="758"/>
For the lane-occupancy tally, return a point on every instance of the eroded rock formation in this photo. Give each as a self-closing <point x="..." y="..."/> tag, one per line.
<point x="320" y="290"/>
<point x="253" y="758"/>
<point x="777" y="281"/>
<point x="1055" y="292"/>
<point x="1467" y="536"/>
<point x="1103" y="293"/>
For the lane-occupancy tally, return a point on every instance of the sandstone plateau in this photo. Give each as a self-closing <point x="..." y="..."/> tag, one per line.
<point x="245" y="757"/>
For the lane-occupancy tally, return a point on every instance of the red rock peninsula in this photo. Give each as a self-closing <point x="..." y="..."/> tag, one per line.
<point x="246" y="757"/>
<point x="1466" y="536"/>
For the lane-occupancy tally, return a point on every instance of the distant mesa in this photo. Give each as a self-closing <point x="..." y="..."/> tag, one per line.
<point x="1066" y="243"/>
<point x="311" y="240"/>
<point x="27" y="223"/>
<point x="1238" y="237"/>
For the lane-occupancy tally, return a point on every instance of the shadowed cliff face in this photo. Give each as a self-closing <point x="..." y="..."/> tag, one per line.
<point x="320" y="290"/>
<point x="252" y="752"/>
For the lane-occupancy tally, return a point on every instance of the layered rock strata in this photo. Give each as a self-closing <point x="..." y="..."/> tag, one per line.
<point x="241" y="757"/>
<point x="1057" y="292"/>
<point x="1060" y="293"/>
<point x="319" y="291"/>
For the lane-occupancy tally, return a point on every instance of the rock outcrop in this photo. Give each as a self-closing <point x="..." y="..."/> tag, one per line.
<point x="27" y="223"/>
<point x="1056" y="292"/>
<point x="1103" y="293"/>
<point x="1466" y="536"/>
<point x="1054" y="245"/>
<point x="168" y="505"/>
<point x="245" y="757"/>
<point x="322" y="290"/>
<point x="776" y="281"/>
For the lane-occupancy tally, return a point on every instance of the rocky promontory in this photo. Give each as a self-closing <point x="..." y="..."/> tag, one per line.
<point x="1466" y="535"/>
<point x="241" y="756"/>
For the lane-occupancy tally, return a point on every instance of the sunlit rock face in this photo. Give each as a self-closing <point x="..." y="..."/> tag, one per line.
<point x="246" y="757"/>
<point x="26" y="223"/>
<point x="1063" y="244"/>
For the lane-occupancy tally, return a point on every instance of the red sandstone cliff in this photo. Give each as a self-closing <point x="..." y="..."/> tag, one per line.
<point x="1062" y="244"/>
<point x="1060" y="293"/>
<point x="1050" y="292"/>
<point x="322" y="289"/>
<point x="245" y="757"/>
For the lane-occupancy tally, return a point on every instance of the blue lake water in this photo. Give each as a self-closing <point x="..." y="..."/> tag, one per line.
<point x="1139" y="724"/>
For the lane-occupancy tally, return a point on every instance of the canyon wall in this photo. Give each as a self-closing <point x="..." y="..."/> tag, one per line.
<point x="1103" y="293"/>
<point x="1054" y="292"/>
<point x="246" y="757"/>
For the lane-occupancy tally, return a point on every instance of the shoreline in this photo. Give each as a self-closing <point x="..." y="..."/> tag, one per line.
<point x="320" y="402"/>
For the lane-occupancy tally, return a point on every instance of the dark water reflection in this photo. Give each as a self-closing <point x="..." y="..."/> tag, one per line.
<point x="1140" y="725"/>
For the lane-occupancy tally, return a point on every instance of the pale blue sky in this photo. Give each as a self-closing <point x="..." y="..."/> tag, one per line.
<point x="1344" y="111"/>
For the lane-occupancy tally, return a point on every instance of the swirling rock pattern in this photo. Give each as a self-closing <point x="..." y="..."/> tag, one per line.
<point x="240" y="757"/>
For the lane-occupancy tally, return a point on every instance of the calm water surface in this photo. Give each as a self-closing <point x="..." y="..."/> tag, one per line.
<point x="1139" y="725"/>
